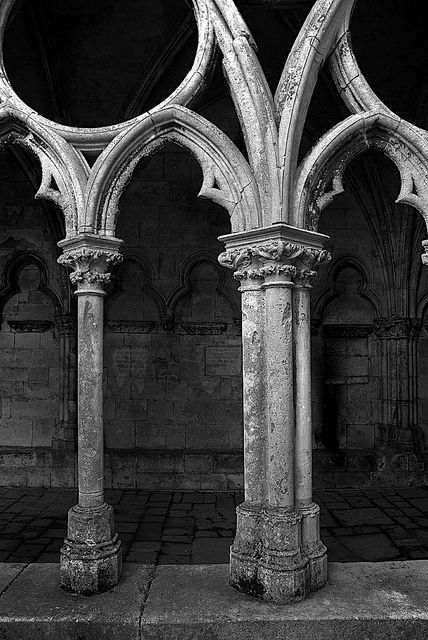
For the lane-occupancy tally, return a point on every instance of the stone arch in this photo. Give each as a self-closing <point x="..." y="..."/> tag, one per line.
<point x="320" y="175"/>
<point x="227" y="178"/>
<point x="63" y="173"/>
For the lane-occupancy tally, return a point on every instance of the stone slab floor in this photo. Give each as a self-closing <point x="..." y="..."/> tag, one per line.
<point x="198" y="528"/>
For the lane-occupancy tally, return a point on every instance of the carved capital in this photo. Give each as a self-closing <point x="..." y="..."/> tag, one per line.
<point x="397" y="328"/>
<point x="304" y="277"/>
<point x="90" y="262"/>
<point x="274" y="258"/>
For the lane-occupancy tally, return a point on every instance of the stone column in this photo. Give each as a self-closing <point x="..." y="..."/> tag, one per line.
<point x="246" y="548"/>
<point x="314" y="549"/>
<point x="91" y="555"/>
<point x="277" y="565"/>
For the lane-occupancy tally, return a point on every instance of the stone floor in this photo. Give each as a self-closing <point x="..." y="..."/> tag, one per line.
<point x="198" y="528"/>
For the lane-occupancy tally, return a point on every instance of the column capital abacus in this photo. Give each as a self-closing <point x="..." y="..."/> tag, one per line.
<point x="90" y="258"/>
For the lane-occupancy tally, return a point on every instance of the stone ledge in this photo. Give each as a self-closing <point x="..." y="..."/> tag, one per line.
<point x="379" y="601"/>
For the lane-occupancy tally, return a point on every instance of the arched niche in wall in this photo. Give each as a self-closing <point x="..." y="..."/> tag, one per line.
<point x="349" y="376"/>
<point x="31" y="370"/>
<point x="206" y="301"/>
<point x="133" y="304"/>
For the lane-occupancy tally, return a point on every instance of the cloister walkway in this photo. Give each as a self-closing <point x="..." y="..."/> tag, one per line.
<point x="198" y="528"/>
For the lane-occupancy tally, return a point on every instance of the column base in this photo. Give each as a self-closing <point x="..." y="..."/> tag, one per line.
<point x="283" y="568"/>
<point x="245" y="551"/>
<point x="312" y="547"/>
<point x="91" y="558"/>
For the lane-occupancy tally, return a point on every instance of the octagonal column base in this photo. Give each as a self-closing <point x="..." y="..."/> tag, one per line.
<point x="245" y="551"/>
<point x="313" y="548"/>
<point x="283" y="568"/>
<point x="91" y="558"/>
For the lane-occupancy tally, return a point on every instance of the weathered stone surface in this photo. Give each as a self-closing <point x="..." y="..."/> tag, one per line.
<point x="360" y="600"/>
<point x="34" y="606"/>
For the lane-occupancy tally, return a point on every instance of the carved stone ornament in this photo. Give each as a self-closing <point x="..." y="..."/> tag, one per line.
<point x="30" y="326"/>
<point x="131" y="326"/>
<point x="275" y="257"/>
<point x="90" y="266"/>
<point x="203" y="328"/>
<point x="397" y="328"/>
<point x="347" y="330"/>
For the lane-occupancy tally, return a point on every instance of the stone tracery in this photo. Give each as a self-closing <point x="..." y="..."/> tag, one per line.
<point x="274" y="249"/>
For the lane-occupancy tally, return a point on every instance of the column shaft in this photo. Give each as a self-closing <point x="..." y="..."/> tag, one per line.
<point x="253" y="315"/>
<point x="280" y="394"/>
<point x="90" y="399"/>
<point x="302" y="349"/>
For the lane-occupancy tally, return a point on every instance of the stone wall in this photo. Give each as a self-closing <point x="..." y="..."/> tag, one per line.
<point x="173" y="416"/>
<point x="31" y="361"/>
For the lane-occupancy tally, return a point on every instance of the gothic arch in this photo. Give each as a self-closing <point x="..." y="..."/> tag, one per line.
<point x="320" y="176"/>
<point x="227" y="178"/>
<point x="10" y="280"/>
<point x="62" y="171"/>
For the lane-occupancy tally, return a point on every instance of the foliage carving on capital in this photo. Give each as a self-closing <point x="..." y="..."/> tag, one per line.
<point x="273" y="258"/>
<point x="90" y="267"/>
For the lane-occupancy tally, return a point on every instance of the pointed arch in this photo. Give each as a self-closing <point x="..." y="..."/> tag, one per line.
<point x="184" y="288"/>
<point x="295" y="88"/>
<point x="320" y="175"/>
<point x="253" y="102"/>
<point x="63" y="173"/>
<point x="14" y="266"/>
<point x="329" y="293"/>
<point x="227" y="178"/>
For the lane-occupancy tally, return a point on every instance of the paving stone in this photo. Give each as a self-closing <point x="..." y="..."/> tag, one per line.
<point x="363" y="516"/>
<point x="420" y="503"/>
<point x="173" y="559"/>
<point x="211" y="550"/>
<point x="147" y="545"/>
<point x="411" y="512"/>
<point x="176" y="548"/>
<point x="372" y="548"/>
<point x="208" y="524"/>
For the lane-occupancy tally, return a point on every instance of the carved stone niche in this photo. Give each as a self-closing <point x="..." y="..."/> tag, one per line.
<point x="30" y="326"/>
